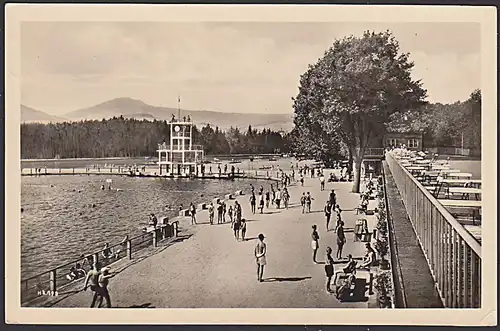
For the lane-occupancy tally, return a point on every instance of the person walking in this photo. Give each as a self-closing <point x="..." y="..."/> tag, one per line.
<point x="103" y="287"/>
<point x="303" y="202"/>
<point x="309" y="199"/>
<point x="286" y="197"/>
<point x="278" y="199"/>
<point x="237" y="211"/>
<point x="273" y="195"/>
<point x="301" y="180"/>
<point x="268" y="198"/>
<point x="315" y="242"/>
<point x="328" y="213"/>
<point x="338" y="213"/>
<point x="341" y="240"/>
<point x="243" y="228"/>
<point x="192" y="211"/>
<point x="236" y="228"/>
<point x="329" y="270"/>
<point x="260" y="252"/>
<point x="211" y="213"/>
<point x="322" y="182"/>
<point x="92" y="280"/>
<point x="333" y="198"/>
<point x="252" y="202"/>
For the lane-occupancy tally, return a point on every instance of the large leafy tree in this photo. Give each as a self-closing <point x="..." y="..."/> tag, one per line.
<point x="354" y="88"/>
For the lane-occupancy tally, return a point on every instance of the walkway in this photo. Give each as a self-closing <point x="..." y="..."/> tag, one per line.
<point x="210" y="269"/>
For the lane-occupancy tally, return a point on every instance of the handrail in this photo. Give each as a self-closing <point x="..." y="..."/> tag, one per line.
<point x="452" y="253"/>
<point x="466" y="236"/>
<point x="55" y="277"/>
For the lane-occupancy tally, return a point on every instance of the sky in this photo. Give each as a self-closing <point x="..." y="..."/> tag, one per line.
<point x="241" y="67"/>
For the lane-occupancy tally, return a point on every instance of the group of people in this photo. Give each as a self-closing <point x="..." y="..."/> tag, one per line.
<point x="98" y="279"/>
<point x="272" y="196"/>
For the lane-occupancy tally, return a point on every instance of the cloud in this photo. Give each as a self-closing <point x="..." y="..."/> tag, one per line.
<point x="243" y="67"/>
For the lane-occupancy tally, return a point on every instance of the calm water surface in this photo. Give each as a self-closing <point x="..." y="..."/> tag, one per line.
<point x="59" y="223"/>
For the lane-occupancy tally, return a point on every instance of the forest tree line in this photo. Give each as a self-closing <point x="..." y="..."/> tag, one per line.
<point x="122" y="137"/>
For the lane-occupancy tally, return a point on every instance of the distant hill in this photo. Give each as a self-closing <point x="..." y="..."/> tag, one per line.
<point x="30" y="115"/>
<point x="132" y="108"/>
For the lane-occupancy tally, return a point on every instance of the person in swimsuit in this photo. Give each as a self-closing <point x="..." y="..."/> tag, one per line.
<point x="192" y="211"/>
<point x="211" y="213"/>
<point x="328" y="213"/>
<point x="243" y="228"/>
<point x="260" y="257"/>
<point x="103" y="288"/>
<point x="230" y="213"/>
<point x="315" y="242"/>
<point x="341" y="240"/>
<point x="261" y="203"/>
<point x="329" y="268"/>
<point x="236" y="229"/>
<point x="92" y="280"/>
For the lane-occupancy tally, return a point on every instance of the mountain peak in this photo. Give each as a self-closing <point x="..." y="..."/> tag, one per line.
<point x="123" y="101"/>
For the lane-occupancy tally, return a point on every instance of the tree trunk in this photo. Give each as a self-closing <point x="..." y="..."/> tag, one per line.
<point x="357" y="174"/>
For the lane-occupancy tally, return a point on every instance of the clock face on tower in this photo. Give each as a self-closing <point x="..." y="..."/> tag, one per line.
<point x="177" y="128"/>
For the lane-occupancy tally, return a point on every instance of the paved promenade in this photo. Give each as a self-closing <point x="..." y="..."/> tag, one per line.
<point x="210" y="269"/>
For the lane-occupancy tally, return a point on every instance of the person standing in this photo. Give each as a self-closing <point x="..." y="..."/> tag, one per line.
<point x="260" y="252"/>
<point x="192" y="211"/>
<point x="301" y="180"/>
<point x="230" y="213"/>
<point x="315" y="242"/>
<point x="211" y="213"/>
<point x="92" y="280"/>
<point x="309" y="199"/>
<point x="219" y="213"/>
<point x="224" y="211"/>
<point x="268" y="198"/>
<point x="237" y="211"/>
<point x="252" y="202"/>
<point x="341" y="240"/>
<point x="261" y="202"/>
<point x="328" y="213"/>
<point x="273" y="195"/>
<point x="329" y="270"/>
<point x="303" y="202"/>
<point x="322" y="182"/>
<point x="243" y="228"/>
<point x="278" y="199"/>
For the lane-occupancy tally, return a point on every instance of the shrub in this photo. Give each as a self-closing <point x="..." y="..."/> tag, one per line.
<point x="383" y="286"/>
<point x="382" y="247"/>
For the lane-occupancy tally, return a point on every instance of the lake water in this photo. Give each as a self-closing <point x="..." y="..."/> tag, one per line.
<point x="59" y="223"/>
<point x="470" y="166"/>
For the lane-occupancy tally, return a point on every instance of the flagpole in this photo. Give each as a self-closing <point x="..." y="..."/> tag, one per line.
<point x="179" y="106"/>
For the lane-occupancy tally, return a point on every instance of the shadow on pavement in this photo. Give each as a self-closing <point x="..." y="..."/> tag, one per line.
<point x="144" y="305"/>
<point x="252" y="238"/>
<point x="358" y="294"/>
<point x="284" y="279"/>
<point x="271" y="212"/>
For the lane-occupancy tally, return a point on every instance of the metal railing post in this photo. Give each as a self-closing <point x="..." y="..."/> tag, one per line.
<point x="155" y="237"/>
<point x="53" y="282"/>
<point x="129" y="249"/>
